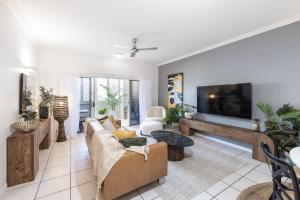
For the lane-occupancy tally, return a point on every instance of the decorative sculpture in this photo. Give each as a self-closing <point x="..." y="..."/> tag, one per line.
<point x="61" y="113"/>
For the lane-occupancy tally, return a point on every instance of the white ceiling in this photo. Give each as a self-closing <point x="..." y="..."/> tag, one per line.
<point x="177" y="28"/>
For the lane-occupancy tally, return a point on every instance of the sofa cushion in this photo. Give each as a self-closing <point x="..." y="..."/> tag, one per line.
<point x="95" y="125"/>
<point x="107" y="124"/>
<point x="114" y="122"/>
<point x="123" y="134"/>
<point x="137" y="141"/>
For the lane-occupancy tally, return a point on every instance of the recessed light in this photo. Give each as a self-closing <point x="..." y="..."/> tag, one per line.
<point x="118" y="55"/>
<point x="118" y="46"/>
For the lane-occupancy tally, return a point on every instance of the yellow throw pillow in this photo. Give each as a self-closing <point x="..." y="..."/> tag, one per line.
<point x="114" y="122"/>
<point x="123" y="134"/>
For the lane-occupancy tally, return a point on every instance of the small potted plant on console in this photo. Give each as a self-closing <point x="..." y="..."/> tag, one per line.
<point x="46" y="102"/>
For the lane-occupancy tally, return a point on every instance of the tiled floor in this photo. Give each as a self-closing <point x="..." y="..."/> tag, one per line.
<point x="66" y="173"/>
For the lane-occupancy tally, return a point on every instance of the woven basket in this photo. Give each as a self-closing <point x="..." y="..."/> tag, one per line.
<point x="260" y="191"/>
<point x="25" y="126"/>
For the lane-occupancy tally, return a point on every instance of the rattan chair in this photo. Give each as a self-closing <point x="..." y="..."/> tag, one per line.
<point x="281" y="170"/>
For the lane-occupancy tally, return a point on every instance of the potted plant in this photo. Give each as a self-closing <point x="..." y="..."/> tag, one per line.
<point x="27" y="120"/>
<point x="113" y="99"/>
<point x="46" y="102"/>
<point x="26" y="100"/>
<point x="282" y="126"/>
<point x="173" y="116"/>
<point x="102" y="112"/>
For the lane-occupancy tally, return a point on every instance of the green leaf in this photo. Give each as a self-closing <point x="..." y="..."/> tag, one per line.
<point x="267" y="109"/>
<point x="293" y="114"/>
<point x="285" y="109"/>
<point x="113" y="98"/>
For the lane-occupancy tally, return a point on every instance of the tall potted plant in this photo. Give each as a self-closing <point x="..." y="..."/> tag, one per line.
<point x="113" y="98"/>
<point x="282" y="126"/>
<point x="46" y="101"/>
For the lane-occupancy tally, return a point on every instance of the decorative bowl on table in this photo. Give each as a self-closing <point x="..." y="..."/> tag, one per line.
<point x="188" y="115"/>
<point x="25" y="126"/>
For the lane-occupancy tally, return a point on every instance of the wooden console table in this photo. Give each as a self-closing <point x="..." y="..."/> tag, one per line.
<point x="23" y="153"/>
<point x="190" y="126"/>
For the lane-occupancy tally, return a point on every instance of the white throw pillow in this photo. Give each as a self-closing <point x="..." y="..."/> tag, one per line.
<point x="108" y="125"/>
<point x="96" y="126"/>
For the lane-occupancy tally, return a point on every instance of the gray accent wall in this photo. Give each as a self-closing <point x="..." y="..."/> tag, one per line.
<point x="270" y="61"/>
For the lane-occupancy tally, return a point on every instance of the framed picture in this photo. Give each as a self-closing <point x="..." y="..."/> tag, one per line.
<point x="27" y="84"/>
<point x="175" y="90"/>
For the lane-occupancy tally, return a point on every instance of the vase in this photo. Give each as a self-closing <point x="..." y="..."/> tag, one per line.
<point x="175" y="125"/>
<point x="44" y="112"/>
<point x="188" y="115"/>
<point x="255" y="125"/>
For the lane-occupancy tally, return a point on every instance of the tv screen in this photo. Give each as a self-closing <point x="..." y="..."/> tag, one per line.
<point x="227" y="100"/>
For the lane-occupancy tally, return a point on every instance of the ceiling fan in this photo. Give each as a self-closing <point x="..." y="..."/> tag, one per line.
<point x="134" y="49"/>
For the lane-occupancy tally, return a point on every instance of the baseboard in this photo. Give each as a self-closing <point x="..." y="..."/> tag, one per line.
<point x="225" y="142"/>
<point x="3" y="187"/>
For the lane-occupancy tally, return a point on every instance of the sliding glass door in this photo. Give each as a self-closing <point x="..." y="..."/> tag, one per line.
<point x="112" y="95"/>
<point x="134" y="103"/>
<point x="102" y="96"/>
<point x="86" y="100"/>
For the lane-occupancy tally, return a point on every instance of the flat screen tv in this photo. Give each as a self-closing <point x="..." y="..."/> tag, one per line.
<point x="227" y="100"/>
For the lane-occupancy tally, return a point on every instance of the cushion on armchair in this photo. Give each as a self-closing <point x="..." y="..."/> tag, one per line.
<point x="156" y="113"/>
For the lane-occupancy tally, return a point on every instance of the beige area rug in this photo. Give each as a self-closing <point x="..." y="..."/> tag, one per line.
<point x="201" y="168"/>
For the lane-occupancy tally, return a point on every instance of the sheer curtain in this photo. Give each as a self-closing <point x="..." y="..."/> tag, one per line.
<point x="69" y="85"/>
<point x="145" y="97"/>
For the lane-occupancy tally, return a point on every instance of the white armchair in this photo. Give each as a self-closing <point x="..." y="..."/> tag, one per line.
<point x="156" y="113"/>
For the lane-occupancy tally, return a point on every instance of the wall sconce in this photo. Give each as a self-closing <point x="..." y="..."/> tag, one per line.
<point x="28" y="70"/>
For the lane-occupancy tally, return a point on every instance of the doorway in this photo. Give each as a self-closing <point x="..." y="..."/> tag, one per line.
<point x="134" y="103"/>
<point x="101" y="96"/>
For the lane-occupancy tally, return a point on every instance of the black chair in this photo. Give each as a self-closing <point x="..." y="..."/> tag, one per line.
<point x="282" y="170"/>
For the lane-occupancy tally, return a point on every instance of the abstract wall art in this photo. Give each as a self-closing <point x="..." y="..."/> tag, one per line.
<point x="175" y="90"/>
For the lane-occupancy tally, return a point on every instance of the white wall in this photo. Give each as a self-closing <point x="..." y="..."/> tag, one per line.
<point x="55" y="64"/>
<point x="16" y="52"/>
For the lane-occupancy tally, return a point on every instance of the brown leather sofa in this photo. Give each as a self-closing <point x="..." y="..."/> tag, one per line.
<point x="132" y="171"/>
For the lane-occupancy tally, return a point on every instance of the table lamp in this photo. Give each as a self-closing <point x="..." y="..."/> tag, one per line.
<point x="61" y="113"/>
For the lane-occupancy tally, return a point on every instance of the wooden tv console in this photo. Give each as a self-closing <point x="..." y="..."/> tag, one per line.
<point x="190" y="126"/>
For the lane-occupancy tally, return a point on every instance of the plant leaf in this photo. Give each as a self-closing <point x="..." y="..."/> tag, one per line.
<point x="267" y="109"/>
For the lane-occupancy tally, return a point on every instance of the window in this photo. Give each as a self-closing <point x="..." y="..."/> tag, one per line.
<point x="101" y="92"/>
<point x="114" y="84"/>
<point x="85" y="89"/>
<point x="117" y="85"/>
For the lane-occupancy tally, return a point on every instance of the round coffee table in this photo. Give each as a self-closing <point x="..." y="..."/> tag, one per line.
<point x="176" y="143"/>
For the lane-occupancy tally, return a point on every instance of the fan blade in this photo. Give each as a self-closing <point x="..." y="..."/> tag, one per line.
<point x="151" y="48"/>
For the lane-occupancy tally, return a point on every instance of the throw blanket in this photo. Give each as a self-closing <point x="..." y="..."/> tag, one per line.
<point x="105" y="152"/>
